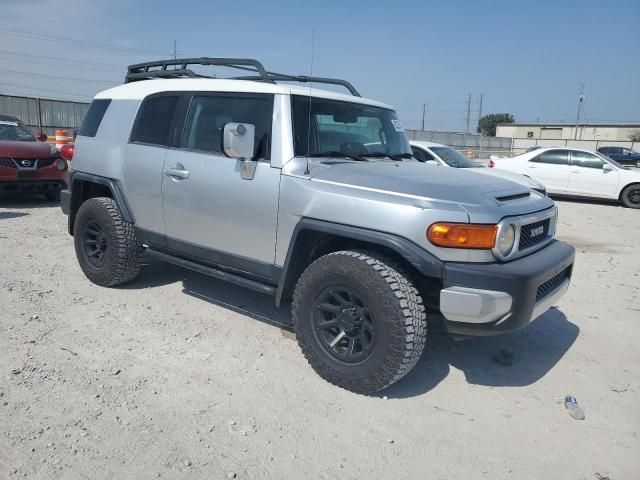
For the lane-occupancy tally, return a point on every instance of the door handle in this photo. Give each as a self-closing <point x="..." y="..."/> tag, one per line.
<point x="177" y="173"/>
<point x="575" y="171"/>
<point x="532" y="166"/>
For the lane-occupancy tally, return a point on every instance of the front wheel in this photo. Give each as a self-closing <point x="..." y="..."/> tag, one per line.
<point x="638" y="163"/>
<point x="106" y="245"/>
<point x="359" y="320"/>
<point x="631" y="196"/>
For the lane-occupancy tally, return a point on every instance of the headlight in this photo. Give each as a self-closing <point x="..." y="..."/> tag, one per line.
<point x="506" y="239"/>
<point x="61" y="165"/>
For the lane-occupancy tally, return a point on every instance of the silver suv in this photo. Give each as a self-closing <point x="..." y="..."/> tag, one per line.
<point x="312" y="197"/>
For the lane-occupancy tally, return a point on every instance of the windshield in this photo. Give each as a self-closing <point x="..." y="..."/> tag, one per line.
<point x="351" y="130"/>
<point x="454" y="158"/>
<point x="12" y="130"/>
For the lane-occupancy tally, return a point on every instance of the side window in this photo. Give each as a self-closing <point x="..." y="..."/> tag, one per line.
<point x="93" y="117"/>
<point x="153" y="125"/>
<point x="552" y="157"/>
<point x="420" y="154"/>
<point x="209" y="114"/>
<point x="586" y="160"/>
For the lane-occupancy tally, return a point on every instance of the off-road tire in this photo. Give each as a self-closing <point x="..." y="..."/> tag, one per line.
<point x="629" y="194"/>
<point x="395" y="305"/>
<point x="123" y="255"/>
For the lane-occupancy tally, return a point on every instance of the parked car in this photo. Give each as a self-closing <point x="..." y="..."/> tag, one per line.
<point x="576" y="172"/>
<point x="263" y="184"/>
<point x="444" y="156"/>
<point x="27" y="163"/>
<point x="622" y="155"/>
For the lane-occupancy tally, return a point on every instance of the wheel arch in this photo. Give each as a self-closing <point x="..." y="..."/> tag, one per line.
<point x="84" y="186"/>
<point x="312" y="239"/>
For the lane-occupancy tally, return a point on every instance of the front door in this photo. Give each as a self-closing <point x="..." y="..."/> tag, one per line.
<point x="211" y="212"/>
<point x="551" y="168"/>
<point x="589" y="177"/>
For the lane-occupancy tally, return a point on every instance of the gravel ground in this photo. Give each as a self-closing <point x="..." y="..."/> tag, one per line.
<point x="180" y="376"/>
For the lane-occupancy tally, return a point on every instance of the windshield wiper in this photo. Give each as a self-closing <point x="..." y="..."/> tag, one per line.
<point x="335" y="153"/>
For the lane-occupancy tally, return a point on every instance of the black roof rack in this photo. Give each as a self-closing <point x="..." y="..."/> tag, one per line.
<point x="159" y="69"/>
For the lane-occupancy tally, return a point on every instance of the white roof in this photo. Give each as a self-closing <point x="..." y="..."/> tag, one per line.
<point x="140" y="89"/>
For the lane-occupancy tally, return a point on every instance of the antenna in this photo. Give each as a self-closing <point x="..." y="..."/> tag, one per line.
<point x="313" y="38"/>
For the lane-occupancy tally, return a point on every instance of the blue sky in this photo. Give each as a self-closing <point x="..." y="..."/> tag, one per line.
<point x="527" y="58"/>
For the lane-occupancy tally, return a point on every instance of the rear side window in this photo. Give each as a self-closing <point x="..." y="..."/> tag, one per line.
<point x="155" y="118"/>
<point x="553" y="157"/>
<point x="209" y="114"/>
<point x="93" y="117"/>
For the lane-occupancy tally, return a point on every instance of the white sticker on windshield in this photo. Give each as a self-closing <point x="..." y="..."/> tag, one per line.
<point x="6" y="122"/>
<point x="397" y="125"/>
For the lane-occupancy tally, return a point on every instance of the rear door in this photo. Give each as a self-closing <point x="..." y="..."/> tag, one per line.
<point x="210" y="211"/>
<point x="589" y="177"/>
<point x="551" y="168"/>
<point x="151" y="136"/>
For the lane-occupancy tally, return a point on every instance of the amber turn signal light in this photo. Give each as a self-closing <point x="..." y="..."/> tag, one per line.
<point x="462" y="235"/>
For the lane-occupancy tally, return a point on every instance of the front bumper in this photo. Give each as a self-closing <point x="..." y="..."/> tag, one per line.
<point x="488" y="299"/>
<point x="27" y="187"/>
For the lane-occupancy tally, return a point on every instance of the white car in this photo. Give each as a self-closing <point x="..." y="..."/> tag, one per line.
<point x="576" y="172"/>
<point x="442" y="155"/>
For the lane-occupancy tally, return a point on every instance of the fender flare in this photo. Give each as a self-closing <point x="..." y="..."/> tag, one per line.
<point x="423" y="261"/>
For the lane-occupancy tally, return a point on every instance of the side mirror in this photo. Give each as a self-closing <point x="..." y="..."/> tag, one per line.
<point x="42" y="136"/>
<point x="238" y="140"/>
<point x="607" y="168"/>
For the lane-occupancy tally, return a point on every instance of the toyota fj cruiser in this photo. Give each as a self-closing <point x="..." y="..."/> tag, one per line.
<point x="313" y="197"/>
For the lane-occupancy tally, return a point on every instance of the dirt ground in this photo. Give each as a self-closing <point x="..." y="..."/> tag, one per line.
<point x="180" y="376"/>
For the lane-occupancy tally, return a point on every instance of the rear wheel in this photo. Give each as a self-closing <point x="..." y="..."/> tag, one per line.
<point x="359" y="320"/>
<point x="631" y="196"/>
<point x="638" y="163"/>
<point x="106" y="245"/>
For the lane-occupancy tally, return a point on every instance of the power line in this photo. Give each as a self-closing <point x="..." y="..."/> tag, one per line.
<point x="83" y="43"/>
<point x="57" y="59"/>
<point x="55" y="77"/>
<point x="45" y="90"/>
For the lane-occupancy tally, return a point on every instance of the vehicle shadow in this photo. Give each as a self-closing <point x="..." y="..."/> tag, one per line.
<point x="8" y="215"/>
<point x="595" y="201"/>
<point x="241" y="300"/>
<point x="536" y="349"/>
<point x="24" y="201"/>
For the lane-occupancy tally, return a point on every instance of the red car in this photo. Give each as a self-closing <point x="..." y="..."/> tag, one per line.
<point x="27" y="163"/>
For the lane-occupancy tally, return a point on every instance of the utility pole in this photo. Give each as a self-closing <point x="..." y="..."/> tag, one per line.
<point x="581" y="98"/>
<point x="480" y="108"/>
<point x="424" y="112"/>
<point x="175" y="50"/>
<point x="468" y="112"/>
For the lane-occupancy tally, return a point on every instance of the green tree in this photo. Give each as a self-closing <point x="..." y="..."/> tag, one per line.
<point x="634" y="135"/>
<point x="488" y="123"/>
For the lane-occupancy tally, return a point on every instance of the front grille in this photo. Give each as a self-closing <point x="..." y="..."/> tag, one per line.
<point x="7" y="163"/>
<point x="533" y="233"/>
<point x="550" y="285"/>
<point x="45" y="162"/>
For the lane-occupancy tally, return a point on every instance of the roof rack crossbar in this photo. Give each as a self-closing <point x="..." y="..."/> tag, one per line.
<point x="159" y="69"/>
<point x="306" y="79"/>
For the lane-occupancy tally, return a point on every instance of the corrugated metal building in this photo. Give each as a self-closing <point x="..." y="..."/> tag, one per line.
<point x="43" y="114"/>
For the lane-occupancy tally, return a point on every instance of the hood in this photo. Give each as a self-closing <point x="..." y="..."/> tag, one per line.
<point x="473" y="191"/>
<point x="17" y="149"/>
